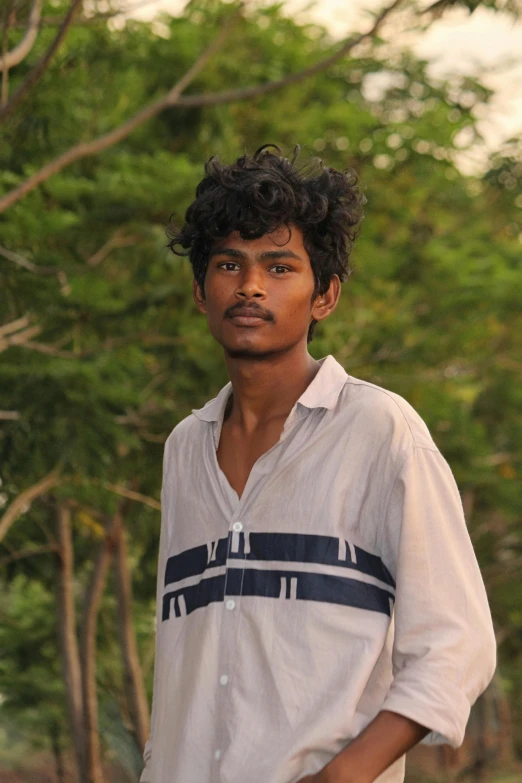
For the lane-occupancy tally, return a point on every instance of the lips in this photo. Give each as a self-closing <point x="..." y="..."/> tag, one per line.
<point x="247" y="317"/>
<point x="248" y="320"/>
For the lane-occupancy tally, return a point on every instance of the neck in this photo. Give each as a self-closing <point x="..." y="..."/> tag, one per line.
<point x="267" y="389"/>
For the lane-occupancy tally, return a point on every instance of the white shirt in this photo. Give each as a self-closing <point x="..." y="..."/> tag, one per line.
<point x="343" y="582"/>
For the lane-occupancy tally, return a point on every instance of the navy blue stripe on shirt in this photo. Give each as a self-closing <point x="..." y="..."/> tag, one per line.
<point x="286" y="547"/>
<point x="277" y="584"/>
<point x="204" y="593"/>
<point x="309" y="587"/>
<point x="195" y="561"/>
<point x="311" y="548"/>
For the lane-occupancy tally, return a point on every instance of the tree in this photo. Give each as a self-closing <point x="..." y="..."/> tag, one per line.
<point x="102" y="352"/>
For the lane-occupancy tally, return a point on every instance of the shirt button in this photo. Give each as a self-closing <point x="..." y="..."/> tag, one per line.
<point x="217" y="755"/>
<point x="237" y="527"/>
<point x="223" y="679"/>
<point x="230" y="604"/>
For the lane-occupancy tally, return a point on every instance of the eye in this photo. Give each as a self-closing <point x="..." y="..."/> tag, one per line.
<point x="228" y="266"/>
<point x="280" y="269"/>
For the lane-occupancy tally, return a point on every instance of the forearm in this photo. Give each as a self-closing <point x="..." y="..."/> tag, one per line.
<point x="382" y="742"/>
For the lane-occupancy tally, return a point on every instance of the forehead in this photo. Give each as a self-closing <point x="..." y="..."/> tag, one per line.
<point x="283" y="238"/>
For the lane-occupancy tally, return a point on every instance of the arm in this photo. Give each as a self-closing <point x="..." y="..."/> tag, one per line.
<point x="444" y="646"/>
<point x="382" y="742"/>
<point x="444" y="649"/>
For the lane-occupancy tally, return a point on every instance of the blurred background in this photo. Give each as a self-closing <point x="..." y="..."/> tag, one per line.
<point x="108" y="110"/>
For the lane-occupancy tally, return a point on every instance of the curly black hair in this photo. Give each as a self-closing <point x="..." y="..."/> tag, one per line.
<point x="262" y="192"/>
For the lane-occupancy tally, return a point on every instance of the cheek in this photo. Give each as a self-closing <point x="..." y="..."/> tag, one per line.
<point x="299" y="306"/>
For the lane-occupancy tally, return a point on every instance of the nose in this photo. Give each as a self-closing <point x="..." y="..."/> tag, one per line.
<point x="251" y="284"/>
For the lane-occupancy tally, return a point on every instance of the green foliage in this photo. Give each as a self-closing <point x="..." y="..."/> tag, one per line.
<point x="432" y="310"/>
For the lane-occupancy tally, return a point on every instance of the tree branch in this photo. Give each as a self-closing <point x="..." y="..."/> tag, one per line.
<point x="39" y="69"/>
<point x="38" y="269"/>
<point x="86" y="149"/>
<point x="118" y="239"/>
<point x="20" y="338"/>
<point x="173" y="98"/>
<point x="19" y="260"/>
<point x="8" y="20"/>
<point x="14" y="326"/>
<point x="128" y="493"/>
<point x="55" y="21"/>
<point x="244" y="93"/>
<point x="22" y="554"/>
<point x="21" y="50"/>
<point x="9" y="415"/>
<point x="49" y="350"/>
<point x="25" y="499"/>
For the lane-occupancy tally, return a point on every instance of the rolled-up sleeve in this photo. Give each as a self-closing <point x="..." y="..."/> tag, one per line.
<point x="444" y="651"/>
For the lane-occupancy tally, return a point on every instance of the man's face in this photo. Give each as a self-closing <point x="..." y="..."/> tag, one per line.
<point x="258" y="293"/>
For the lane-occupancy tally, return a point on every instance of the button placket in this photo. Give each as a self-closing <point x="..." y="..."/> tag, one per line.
<point x="227" y="652"/>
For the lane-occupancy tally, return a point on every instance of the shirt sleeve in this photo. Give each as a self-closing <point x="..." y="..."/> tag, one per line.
<point x="444" y="650"/>
<point x="146" y="775"/>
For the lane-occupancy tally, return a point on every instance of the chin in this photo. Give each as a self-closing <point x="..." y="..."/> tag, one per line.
<point x="257" y="353"/>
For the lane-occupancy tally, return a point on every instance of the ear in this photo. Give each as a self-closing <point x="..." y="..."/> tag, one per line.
<point x="198" y="297"/>
<point x="324" y="304"/>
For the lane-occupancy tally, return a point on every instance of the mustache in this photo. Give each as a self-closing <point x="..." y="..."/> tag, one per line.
<point x="249" y="309"/>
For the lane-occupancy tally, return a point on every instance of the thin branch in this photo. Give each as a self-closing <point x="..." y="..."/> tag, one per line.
<point x="86" y="149"/>
<point x="38" y="269"/>
<point x="19" y="338"/>
<point x="39" y="69"/>
<point x="9" y="415"/>
<point x="8" y="21"/>
<point x="173" y="98"/>
<point x="48" y="350"/>
<point x="25" y="499"/>
<point x="40" y="550"/>
<point x="118" y="239"/>
<point x="21" y="50"/>
<point x="151" y="437"/>
<point x="14" y="326"/>
<point x="45" y="530"/>
<point x="129" y="493"/>
<point x="55" y="21"/>
<point x="19" y="260"/>
<point x="244" y="93"/>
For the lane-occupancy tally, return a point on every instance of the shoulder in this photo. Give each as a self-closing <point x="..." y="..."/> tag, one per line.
<point x="386" y="412"/>
<point x="184" y="433"/>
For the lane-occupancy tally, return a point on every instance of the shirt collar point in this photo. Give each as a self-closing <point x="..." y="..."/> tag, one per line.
<point x="324" y="390"/>
<point x="213" y="409"/>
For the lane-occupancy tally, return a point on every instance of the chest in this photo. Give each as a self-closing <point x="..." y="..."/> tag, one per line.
<point x="237" y="454"/>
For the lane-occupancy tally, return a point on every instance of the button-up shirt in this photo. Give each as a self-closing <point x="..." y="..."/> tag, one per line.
<point x="341" y="583"/>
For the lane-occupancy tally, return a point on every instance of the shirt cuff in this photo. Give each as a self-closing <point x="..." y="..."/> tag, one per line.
<point x="146" y="775"/>
<point x="437" y="705"/>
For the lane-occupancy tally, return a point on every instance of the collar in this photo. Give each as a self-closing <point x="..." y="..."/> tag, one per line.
<point x="323" y="392"/>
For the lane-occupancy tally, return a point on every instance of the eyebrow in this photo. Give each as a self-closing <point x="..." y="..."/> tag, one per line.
<point x="268" y="255"/>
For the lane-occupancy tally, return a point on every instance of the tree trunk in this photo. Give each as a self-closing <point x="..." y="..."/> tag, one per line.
<point x="506" y="744"/>
<point x="57" y="752"/>
<point x="93" y="596"/>
<point x="134" y="685"/>
<point x="68" y="640"/>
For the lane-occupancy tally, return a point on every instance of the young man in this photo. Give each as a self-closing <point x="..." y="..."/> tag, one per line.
<point x="320" y="608"/>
